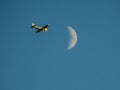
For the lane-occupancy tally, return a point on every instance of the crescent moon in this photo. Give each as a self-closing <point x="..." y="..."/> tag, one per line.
<point x="72" y="38"/>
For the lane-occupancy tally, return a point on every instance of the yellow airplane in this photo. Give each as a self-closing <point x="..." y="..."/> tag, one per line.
<point x="40" y="29"/>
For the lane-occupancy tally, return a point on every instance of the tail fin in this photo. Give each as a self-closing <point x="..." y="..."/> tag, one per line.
<point x="32" y="25"/>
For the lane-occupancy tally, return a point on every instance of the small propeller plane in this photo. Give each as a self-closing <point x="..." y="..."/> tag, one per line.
<point x="40" y="29"/>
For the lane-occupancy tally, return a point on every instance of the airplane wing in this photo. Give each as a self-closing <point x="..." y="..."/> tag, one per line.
<point x="38" y="31"/>
<point x="45" y="26"/>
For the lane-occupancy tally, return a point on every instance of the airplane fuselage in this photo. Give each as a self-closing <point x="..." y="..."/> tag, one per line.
<point x="37" y="27"/>
<point x="40" y="29"/>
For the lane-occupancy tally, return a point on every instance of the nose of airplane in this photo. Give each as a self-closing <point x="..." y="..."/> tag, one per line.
<point x="45" y="29"/>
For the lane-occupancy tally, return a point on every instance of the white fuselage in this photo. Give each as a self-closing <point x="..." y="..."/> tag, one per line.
<point x="38" y="27"/>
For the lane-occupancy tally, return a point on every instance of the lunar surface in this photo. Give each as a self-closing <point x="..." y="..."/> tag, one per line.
<point x="72" y="38"/>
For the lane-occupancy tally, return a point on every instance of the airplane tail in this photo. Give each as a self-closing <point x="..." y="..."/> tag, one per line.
<point x="33" y="25"/>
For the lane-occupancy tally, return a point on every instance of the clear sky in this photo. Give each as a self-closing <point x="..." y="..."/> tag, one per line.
<point x="30" y="61"/>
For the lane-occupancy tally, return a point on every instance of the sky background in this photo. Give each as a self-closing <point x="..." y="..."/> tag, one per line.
<point x="30" y="61"/>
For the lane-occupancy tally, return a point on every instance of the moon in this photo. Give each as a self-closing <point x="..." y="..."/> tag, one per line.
<point x="72" y="38"/>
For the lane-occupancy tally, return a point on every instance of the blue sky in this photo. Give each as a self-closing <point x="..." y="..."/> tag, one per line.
<point x="30" y="61"/>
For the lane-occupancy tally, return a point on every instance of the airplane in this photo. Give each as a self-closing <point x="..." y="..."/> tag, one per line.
<point x="40" y="29"/>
